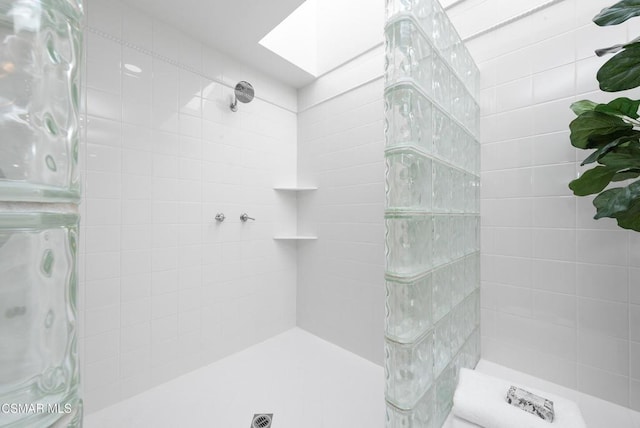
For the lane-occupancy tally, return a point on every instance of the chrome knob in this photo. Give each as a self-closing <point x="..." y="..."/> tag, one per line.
<point x="220" y="217"/>
<point x="244" y="217"/>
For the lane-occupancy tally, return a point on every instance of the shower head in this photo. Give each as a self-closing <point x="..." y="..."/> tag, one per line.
<point x="244" y="93"/>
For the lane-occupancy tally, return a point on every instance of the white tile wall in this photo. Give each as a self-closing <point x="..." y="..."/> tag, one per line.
<point x="164" y="288"/>
<point x="340" y="150"/>
<point x="560" y="291"/>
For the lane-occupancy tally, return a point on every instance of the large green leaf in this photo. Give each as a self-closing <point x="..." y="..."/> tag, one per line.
<point x="592" y="181"/>
<point x="592" y="124"/>
<point x="623" y="157"/>
<point x="626" y="174"/>
<point x="595" y="156"/>
<point x="620" y="106"/>
<point x="582" y="106"/>
<point x="616" y="48"/>
<point x="630" y="219"/>
<point x="612" y="202"/>
<point x="622" y="71"/>
<point x="618" y="13"/>
<point x="609" y="50"/>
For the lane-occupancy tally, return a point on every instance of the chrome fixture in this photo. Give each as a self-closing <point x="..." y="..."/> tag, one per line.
<point x="244" y="93"/>
<point x="244" y="217"/>
<point x="220" y="217"/>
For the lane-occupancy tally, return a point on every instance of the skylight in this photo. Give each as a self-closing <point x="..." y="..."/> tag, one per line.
<point x="296" y="38"/>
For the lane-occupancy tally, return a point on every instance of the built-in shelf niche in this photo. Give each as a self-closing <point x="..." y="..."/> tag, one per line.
<point x="294" y="236"/>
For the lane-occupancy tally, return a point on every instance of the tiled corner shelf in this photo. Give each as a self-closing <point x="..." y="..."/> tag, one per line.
<point x="294" y="237"/>
<point x="294" y="188"/>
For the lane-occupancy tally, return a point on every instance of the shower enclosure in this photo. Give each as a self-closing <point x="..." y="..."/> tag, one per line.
<point x="39" y="189"/>
<point x="431" y="213"/>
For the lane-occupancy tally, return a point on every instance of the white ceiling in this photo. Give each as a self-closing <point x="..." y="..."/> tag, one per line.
<point x="234" y="27"/>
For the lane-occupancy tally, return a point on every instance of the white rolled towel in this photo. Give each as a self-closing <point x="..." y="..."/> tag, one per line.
<point x="481" y="399"/>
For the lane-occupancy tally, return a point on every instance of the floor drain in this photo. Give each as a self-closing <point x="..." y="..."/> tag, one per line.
<point x="262" y="420"/>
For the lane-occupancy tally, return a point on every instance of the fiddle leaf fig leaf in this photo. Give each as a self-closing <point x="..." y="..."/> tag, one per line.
<point x="620" y="106"/>
<point x="609" y="50"/>
<point x="595" y="156"/>
<point x="612" y="202"/>
<point x="616" y="48"/>
<point x="582" y="106"/>
<point x="626" y="175"/>
<point x="630" y="219"/>
<point x="618" y="13"/>
<point x="622" y="71"/>
<point x="622" y="158"/>
<point x="592" y="181"/>
<point x="592" y="124"/>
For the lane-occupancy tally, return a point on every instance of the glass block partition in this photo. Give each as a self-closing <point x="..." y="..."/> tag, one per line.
<point x="432" y="220"/>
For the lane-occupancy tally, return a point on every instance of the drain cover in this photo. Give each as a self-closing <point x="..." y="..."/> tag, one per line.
<point x="262" y="420"/>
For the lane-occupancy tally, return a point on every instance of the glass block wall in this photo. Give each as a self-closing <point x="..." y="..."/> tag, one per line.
<point x="432" y="219"/>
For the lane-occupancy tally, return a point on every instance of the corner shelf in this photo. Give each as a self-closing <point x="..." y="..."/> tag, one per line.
<point x="294" y="188"/>
<point x="295" y="238"/>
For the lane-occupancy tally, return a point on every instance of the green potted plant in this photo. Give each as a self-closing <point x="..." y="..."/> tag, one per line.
<point x="612" y="130"/>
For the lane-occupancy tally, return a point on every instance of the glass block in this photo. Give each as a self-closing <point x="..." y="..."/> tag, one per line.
<point x="472" y="311"/>
<point x="442" y="296"/>
<point x="470" y="274"/>
<point x="458" y="328"/>
<point x="407" y="180"/>
<point x="456" y="278"/>
<point x="442" y="188"/>
<point x="442" y="345"/>
<point x="457" y="191"/>
<point x="442" y="134"/>
<point x="408" y="244"/>
<point x="38" y="289"/>
<point x="470" y="73"/>
<point x="441" y="240"/>
<point x="407" y="309"/>
<point x="471" y="116"/>
<point x="467" y="160"/>
<point x="467" y="354"/>
<point x="458" y="99"/>
<point x="407" y="54"/>
<point x="476" y="198"/>
<point x="445" y="387"/>
<point x="420" y="416"/>
<point x="457" y="224"/>
<point x="441" y="85"/>
<point x="475" y="349"/>
<point x="469" y="205"/>
<point x="407" y="118"/>
<point x="442" y="32"/>
<point x="476" y="235"/>
<point x="458" y="146"/>
<point x="40" y="57"/>
<point x="408" y="371"/>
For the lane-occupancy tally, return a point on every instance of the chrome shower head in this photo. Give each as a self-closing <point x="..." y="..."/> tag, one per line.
<point x="244" y="93"/>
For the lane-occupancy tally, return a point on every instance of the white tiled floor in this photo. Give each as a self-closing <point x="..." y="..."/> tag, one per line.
<point x="303" y="380"/>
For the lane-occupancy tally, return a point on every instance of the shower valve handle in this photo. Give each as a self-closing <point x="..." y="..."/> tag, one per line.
<point x="220" y="217"/>
<point x="244" y="217"/>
